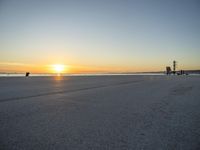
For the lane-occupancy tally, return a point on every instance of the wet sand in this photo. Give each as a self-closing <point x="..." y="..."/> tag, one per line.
<point x="100" y="113"/>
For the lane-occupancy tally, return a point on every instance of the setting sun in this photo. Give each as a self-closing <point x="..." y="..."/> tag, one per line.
<point x="59" y="68"/>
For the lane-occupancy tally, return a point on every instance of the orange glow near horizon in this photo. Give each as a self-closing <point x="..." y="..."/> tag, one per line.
<point x="59" y="68"/>
<point x="62" y="68"/>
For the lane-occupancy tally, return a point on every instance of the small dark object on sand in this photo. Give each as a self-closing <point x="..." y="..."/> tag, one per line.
<point x="27" y="74"/>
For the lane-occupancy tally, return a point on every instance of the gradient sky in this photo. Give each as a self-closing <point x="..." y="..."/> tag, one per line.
<point x="99" y="35"/>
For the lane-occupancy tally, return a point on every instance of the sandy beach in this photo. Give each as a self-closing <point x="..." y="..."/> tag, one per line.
<point x="100" y="113"/>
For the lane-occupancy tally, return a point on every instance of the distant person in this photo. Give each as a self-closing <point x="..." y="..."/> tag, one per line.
<point x="27" y="74"/>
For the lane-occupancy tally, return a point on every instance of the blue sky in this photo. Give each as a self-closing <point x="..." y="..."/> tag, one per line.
<point x="118" y="35"/>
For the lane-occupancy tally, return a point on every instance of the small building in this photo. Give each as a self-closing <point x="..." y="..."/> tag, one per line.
<point x="168" y="70"/>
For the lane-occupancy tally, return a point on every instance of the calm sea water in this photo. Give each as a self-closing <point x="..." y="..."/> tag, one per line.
<point x="108" y="74"/>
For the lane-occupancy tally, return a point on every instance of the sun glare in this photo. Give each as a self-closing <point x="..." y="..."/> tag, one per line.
<point x="58" y="68"/>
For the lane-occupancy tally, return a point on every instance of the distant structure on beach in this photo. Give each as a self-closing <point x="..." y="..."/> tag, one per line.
<point x="169" y="71"/>
<point x="168" y="68"/>
<point x="174" y="66"/>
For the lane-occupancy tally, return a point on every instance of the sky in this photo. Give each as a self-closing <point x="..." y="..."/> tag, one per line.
<point x="97" y="36"/>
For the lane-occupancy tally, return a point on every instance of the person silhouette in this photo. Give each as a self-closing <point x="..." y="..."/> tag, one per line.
<point x="27" y="74"/>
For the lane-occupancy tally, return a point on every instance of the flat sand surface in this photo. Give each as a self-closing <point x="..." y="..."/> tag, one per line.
<point x="100" y="113"/>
